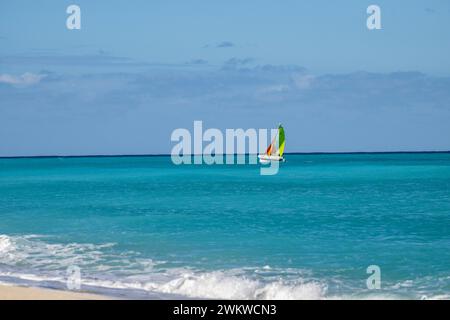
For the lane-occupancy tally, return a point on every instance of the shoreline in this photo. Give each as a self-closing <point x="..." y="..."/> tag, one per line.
<point x="15" y="292"/>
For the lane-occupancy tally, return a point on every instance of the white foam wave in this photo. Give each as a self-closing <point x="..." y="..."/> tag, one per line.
<point x="35" y="261"/>
<point x="5" y="244"/>
<point x="208" y="285"/>
<point x="31" y="259"/>
<point x="30" y="250"/>
<point x="226" y="285"/>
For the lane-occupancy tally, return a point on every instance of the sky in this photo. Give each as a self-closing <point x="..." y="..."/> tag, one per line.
<point x="138" y="70"/>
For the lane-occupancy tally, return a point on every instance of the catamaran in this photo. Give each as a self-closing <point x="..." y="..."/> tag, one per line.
<point x="270" y="155"/>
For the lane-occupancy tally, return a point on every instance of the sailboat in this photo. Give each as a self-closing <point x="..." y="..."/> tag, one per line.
<point x="270" y="154"/>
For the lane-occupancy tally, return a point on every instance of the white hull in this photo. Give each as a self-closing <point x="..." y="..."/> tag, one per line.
<point x="264" y="158"/>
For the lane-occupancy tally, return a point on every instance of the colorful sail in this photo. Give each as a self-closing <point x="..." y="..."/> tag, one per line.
<point x="281" y="141"/>
<point x="278" y="143"/>
<point x="270" y="148"/>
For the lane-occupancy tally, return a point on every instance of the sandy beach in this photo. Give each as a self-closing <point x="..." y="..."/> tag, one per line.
<point x="11" y="292"/>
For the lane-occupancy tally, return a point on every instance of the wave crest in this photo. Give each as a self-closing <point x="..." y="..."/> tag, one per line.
<point x="29" y="258"/>
<point x="223" y="285"/>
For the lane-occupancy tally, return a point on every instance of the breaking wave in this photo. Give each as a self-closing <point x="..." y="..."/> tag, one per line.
<point x="35" y="261"/>
<point x="31" y="260"/>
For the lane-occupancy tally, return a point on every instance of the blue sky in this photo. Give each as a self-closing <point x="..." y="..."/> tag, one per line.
<point x="138" y="70"/>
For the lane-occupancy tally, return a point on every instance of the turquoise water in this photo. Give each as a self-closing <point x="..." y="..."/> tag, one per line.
<point x="143" y="227"/>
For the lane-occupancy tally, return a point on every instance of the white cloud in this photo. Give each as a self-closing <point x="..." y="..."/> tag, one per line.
<point x="303" y="81"/>
<point x="25" y="79"/>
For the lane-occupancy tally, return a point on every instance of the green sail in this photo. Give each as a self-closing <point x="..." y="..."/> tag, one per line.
<point x="281" y="141"/>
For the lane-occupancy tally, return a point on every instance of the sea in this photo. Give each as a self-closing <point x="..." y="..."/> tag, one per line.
<point x="326" y="226"/>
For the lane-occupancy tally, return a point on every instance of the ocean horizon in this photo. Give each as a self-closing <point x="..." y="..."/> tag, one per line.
<point x="221" y="154"/>
<point x="141" y="227"/>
